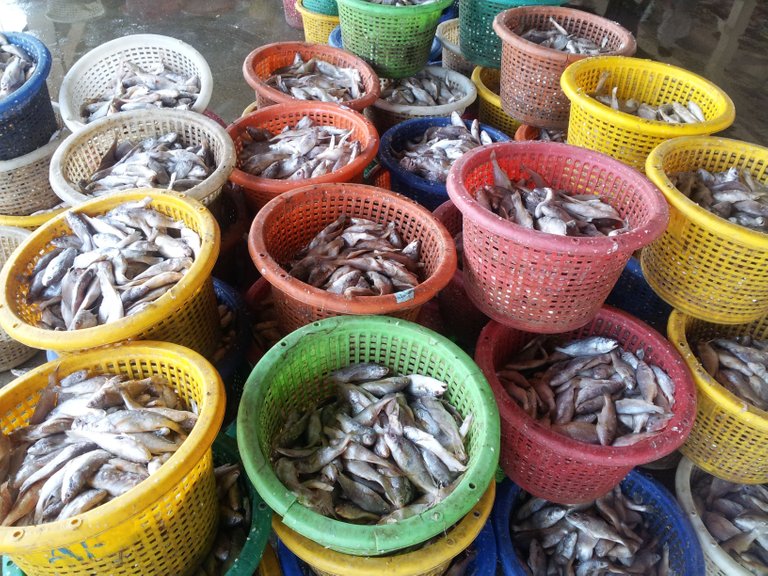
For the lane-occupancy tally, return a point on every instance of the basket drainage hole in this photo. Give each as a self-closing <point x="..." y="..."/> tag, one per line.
<point x="476" y="513"/>
<point x="262" y="506"/>
<point x="75" y="522"/>
<point x="18" y="533"/>
<point x="472" y="486"/>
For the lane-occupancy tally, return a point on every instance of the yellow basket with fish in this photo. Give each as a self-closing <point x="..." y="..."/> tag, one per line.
<point x="729" y="438"/>
<point x="186" y="314"/>
<point x="317" y="27"/>
<point x="32" y="222"/>
<point x="160" y="527"/>
<point x="705" y="265"/>
<point x="489" y="111"/>
<point x="626" y="137"/>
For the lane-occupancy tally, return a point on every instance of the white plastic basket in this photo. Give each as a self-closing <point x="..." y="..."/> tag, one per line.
<point x="718" y="562"/>
<point x="96" y="70"/>
<point x="79" y="155"/>
<point x="453" y="59"/>
<point x="12" y="353"/>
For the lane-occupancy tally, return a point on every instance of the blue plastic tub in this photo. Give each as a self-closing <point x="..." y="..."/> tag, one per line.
<point x="634" y="295"/>
<point x="667" y="520"/>
<point x="425" y="192"/>
<point x="435" y="55"/>
<point x="27" y="121"/>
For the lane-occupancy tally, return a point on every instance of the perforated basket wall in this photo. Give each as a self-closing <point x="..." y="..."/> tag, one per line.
<point x="633" y="294"/>
<point x="292" y="16"/>
<point x="489" y="110"/>
<point x="12" y="353"/>
<point x="327" y="7"/>
<point x="453" y="59"/>
<point x="317" y="27"/>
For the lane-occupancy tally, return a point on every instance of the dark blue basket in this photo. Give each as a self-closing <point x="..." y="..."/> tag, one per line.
<point x="435" y="55"/>
<point x="667" y="520"/>
<point x="450" y="13"/>
<point x="425" y="192"/>
<point x="27" y="121"/>
<point x="634" y="295"/>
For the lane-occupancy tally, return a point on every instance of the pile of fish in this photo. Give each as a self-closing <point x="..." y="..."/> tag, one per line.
<point x="734" y="195"/>
<point x="558" y="38"/>
<point x="228" y="322"/>
<point x="157" y="162"/>
<point x="138" y="89"/>
<point x="112" y="266"/>
<point x="91" y="438"/>
<point x="423" y="89"/>
<point x="739" y="364"/>
<point x="432" y="155"/>
<point x="537" y="206"/>
<point x="385" y="448"/>
<point x="736" y="515"/>
<point x="265" y="327"/>
<point x="607" y="536"/>
<point x="670" y="112"/>
<point x="358" y="257"/>
<point x="317" y="80"/>
<point x="16" y="67"/>
<point x="590" y="390"/>
<point x="307" y="150"/>
<point x="551" y="135"/>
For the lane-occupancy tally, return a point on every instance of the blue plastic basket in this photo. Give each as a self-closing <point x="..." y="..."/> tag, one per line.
<point x="427" y="193"/>
<point x="451" y="12"/>
<point x="634" y="295"/>
<point x="435" y="54"/>
<point x="10" y="569"/>
<point x="667" y="520"/>
<point x="27" y="121"/>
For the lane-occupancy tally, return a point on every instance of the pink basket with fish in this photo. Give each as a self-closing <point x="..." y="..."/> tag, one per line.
<point x="543" y="282"/>
<point x="554" y="467"/>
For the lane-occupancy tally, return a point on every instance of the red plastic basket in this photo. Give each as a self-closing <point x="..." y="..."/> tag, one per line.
<point x="289" y="222"/>
<point x="556" y="468"/>
<point x="542" y="282"/>
<point x="258" y="191"/>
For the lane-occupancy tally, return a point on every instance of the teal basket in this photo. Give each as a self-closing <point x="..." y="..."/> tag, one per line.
<point x="395" y="40"/>
<point x="327" y="7"/>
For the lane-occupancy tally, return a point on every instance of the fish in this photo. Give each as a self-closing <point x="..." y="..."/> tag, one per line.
<point x="551" y="135"/>
<point x="317" y="79"/>
<point x="16" y="67"/>
<point x="558" y="38"/>
<point x="739" y="364"/>
<point x="422" y="89"/>
<point x="401" y="2"/>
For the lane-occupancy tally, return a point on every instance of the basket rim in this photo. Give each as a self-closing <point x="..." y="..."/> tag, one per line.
<point x="314" y="15"/>
<point x="483" y="91"/>
<point x="279" y="278"/>
<point x="664" y="443"/>
<point x="40" y="153"/>
<point x="381" y="10"/>
<point x="419" y="561"/>
<point x="70" y="110"/>
<point x="654" y="169"/>
<point x="374" y="539"/>
<point x="31" y="222"/>
<point x="466" y="84"/>
<point x="183" y="460"/>
<point x="19" y="234"/>
<point x="42" y="58"/>
<point x="126" y="327"/>
<point x="80" y="139"/>
<point x="622" y="120"/>
<point x="637" y="237"/>
<point x="442" y="30"/>
<point x="306" y="49"/>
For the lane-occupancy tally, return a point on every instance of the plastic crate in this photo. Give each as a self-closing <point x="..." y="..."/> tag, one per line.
<point x="317" y="27"/>
<point x="633" y="294"/>
<point x="489" y="110"/>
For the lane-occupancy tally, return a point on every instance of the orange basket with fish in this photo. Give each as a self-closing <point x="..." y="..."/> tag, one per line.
<point x="555" y="467"/>
<point x="259" y="190"/>
<point x="262" y="63"/>
<point x="287" y="224"/>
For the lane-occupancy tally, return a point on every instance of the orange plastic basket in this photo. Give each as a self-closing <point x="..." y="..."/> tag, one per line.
<point x="289" y="222"/>
<point x="258" y="191"/>
<point x="260" y="64"/>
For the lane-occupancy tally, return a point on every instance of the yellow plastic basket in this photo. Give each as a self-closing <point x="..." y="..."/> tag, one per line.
<point x="187" y="314"/>
<point x="317" y="27"/>
<point x="489" y="102"/>
<point x="163" y="526"/>
<point x="29" y="222"/>
<point x="269" y="565"/>
<point x="12" y="353"/>
<point x="705" y="265"/>
<point x="626" y="137"/>
<point x="729" y="437"/>
<point x="430" y="560"/>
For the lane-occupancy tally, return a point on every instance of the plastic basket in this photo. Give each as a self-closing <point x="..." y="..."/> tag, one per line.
<point x="260" y="64"/>
<point x="292" y="16"/>
<point x="386" y="114"/>
<point x="258" y="191"/>
<point x="27" y="120"/>
<point x="292" y="376"/>
<point x="185" y="315"/>
<point x="288" y="223"/>
<point x="716" y="560"/>
<point x="30" y="222"/>
<point x="159" y="527"/>
<point x="453" y="59"/>
<point x="633" y="294"/>
<point x="12" y="353"/>
<point x="395" y="40"/>
<point x="327" y="7"/>
<point x="555" y="467"/>
<point x="705" y="265"/>
<point x="435" y="53"/>
<point x="489" y="110"/>
<point x="80" y="154"/>
<point x="665" y="520"/>
<point x="317" y="27"/>
<point x="433" y="559"/>
<point x="429" y="194"/>
<point x="269" y="565"/>
<point x="65" y="12"/>
<point x="95" y="72"/>
<point x="629" y="138"/>
<point x="543" y="282"/>
<point x="530" y="73"/>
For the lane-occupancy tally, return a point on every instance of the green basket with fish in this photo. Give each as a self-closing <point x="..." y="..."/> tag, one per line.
<point x="293" y="376"/>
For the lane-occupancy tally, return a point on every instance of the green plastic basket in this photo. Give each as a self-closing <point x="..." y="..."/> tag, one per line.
<point x="394" y="40"/>
<point x="479" y="43"/>
<point x="327" y="7"/>
<point x="291" y="377"/>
